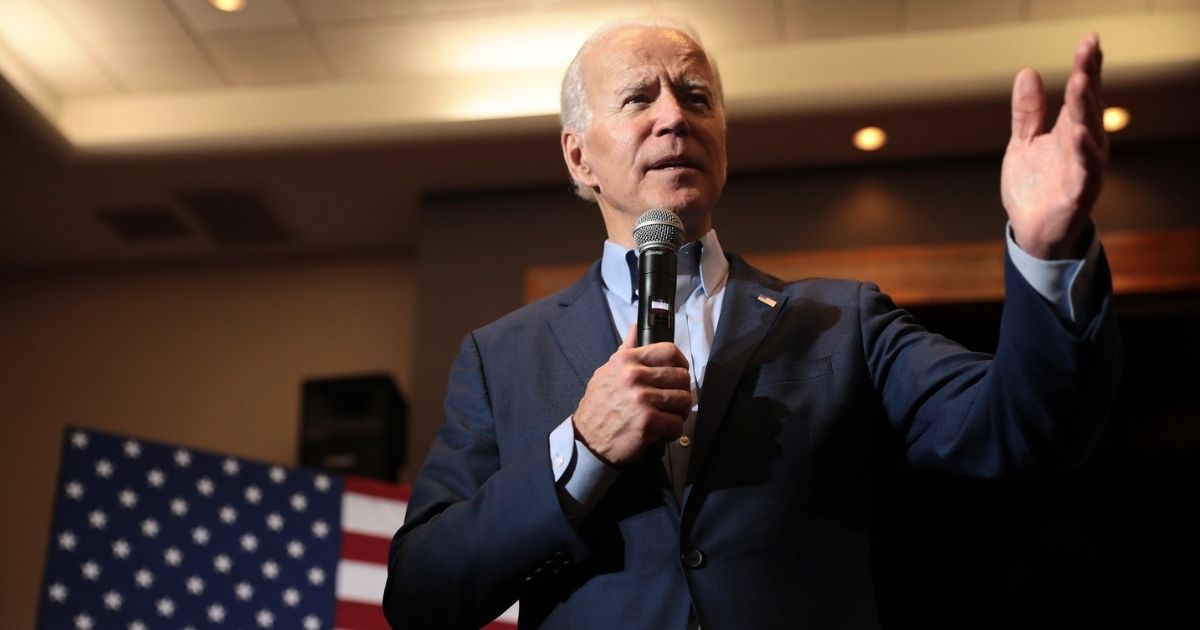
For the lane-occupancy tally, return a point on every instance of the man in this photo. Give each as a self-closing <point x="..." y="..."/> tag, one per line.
<point x="777" y="401"/>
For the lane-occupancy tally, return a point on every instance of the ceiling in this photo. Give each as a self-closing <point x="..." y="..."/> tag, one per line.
<point x="326" y="121"/>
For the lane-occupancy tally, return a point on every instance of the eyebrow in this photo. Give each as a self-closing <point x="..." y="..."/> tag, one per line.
<point x="690" y="83"/>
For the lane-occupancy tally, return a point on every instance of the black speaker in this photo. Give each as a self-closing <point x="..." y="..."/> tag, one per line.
<point x="353" y="425"/>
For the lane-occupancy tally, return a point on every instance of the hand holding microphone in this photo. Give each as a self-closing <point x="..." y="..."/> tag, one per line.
<point x="642" y="395"/>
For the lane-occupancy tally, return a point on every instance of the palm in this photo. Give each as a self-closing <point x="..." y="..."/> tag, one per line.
<point x="1049" y="181"/>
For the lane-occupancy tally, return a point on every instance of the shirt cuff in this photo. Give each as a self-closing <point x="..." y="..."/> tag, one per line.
<point x="580" y="476"/>
<point x="1066" y="284"/>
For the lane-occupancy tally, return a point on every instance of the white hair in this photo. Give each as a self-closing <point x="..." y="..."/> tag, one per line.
<point x="576" y="113"/>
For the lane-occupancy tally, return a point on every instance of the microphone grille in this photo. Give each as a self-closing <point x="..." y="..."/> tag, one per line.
<point x="661" y="228"/>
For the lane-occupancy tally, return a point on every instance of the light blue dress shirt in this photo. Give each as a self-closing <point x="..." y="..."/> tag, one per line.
<point x="582" y="478"/>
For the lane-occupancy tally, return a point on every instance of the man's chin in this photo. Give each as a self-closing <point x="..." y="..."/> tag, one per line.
<point x="693" y="209"/>
<point x="684" y="203"/>
<point x="689" y="200"/>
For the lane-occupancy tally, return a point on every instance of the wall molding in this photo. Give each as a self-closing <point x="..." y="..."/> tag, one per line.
<point x="1143" y="263"/>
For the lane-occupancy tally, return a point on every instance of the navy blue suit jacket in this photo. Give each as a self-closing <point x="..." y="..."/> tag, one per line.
<point x="801" y="402"/>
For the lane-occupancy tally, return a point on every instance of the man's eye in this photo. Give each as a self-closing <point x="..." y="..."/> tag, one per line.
<point x="699" y="99"/>
<point x="635" y="99"/>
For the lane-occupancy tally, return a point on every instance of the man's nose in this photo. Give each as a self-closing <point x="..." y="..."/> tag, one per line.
<point x="670" y="118"/>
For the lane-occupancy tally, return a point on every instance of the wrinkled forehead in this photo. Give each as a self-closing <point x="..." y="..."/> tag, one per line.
<point x="638" y="50"/>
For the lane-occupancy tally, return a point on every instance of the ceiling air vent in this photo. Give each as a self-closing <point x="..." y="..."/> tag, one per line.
<point x="143" y="223"/>
<point x="233" y="217"/>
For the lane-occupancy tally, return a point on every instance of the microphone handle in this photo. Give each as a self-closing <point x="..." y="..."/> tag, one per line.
<point x="656" y="295"/>
<point x="656" y="308"/>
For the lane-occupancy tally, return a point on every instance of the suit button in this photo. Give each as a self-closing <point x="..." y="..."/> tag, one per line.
<point x="692" y="558"/>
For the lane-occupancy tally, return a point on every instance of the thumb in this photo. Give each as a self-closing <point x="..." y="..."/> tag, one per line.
<point x="1028" y="105"/>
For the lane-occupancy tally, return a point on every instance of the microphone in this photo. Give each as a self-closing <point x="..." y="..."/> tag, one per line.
<point x="658" y="234"/>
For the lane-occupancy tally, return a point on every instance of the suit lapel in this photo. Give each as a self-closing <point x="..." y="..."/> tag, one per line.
<point x="583" y="326"/>
<point x="748" y="311"/>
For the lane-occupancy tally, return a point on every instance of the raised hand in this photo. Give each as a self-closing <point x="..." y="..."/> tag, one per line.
<point x="1050" y="180"/>
<point x="640" y="397"/>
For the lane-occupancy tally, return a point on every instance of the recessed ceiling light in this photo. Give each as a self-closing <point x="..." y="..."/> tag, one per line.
<point x="870" y="139"/>
<point x="228" y="6"/>
<point x="1115" y="118"/>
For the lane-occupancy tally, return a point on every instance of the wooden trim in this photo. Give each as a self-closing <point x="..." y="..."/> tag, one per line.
<point x="1143" y="263"/>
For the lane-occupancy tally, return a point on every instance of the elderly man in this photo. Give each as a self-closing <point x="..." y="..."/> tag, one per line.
<point x="775" y="402"/>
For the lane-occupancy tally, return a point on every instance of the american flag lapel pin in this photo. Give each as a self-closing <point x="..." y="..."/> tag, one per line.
<point x="766" y="300"/>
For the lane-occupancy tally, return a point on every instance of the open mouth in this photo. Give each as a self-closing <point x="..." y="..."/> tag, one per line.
<point x="674" y="163"/>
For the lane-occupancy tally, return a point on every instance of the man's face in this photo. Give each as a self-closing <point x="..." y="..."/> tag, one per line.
<point x="657" y="134"/>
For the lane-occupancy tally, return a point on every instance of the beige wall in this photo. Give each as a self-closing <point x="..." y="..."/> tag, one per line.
<point x="209" y="357"/>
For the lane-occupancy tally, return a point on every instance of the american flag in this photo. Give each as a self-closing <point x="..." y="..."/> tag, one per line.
<point x="148" y="535"/>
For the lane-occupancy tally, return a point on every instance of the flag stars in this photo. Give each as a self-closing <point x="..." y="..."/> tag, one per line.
<point x="97" y="519"/>
<point x="270" y="569"/>
<point x="144" y="577"/>
<point x="156" y="478"/>
<point x="195" y="585"/>
<point x="57" y="592"/>
<point x="90" y="570"/>
<point x="121" y="462"/>
<point x="112" y="600"/>
<point x="104" y="469"/>
<point x="128" y="498"/>
<point x="316" y="576"/>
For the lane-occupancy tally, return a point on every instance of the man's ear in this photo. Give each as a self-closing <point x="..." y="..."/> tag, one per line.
<point x="577" y="163"/>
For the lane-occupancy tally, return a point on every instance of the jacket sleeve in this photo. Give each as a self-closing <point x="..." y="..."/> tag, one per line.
<point x="476" y="533"/>
<point x="1037" y="407"/>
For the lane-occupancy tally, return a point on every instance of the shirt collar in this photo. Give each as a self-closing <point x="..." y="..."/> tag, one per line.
<point x="618" y="266"/>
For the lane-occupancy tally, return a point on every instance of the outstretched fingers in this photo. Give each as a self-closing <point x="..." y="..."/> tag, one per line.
<point x="1083" y="94"/>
